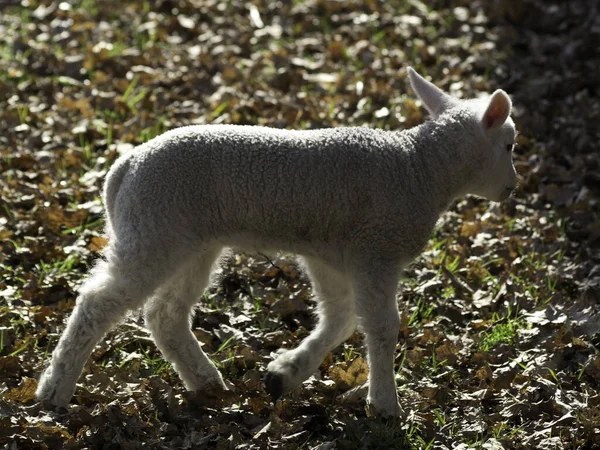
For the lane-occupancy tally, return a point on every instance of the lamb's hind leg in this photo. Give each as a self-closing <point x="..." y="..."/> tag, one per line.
<point x="337" y="321"/>
<point x="168" y="315"/>
<point x="377" y="310"/>
<point x="104" y="298"/>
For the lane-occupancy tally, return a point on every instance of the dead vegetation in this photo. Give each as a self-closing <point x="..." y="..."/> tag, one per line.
<point x="500" y="324"/>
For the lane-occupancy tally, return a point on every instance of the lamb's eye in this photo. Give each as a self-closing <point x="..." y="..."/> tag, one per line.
<point x="509" y="147"/>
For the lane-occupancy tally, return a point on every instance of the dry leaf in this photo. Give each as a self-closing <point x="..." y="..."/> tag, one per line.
<point x="347" y="376"/>
<point x="24" y="393"/>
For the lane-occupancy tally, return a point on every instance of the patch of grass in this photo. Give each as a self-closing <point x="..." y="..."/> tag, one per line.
<point x="56" y="267"/>
<point x="448" y="292"/>
<point x="86" y="147"/>
<point x="500" y="333"/>
<point x="349" y="352"/>
<point x="218" y="110"/>
<point x="155" y="363"/>
<point x="229" y="346"/>
<point x="379" y="434"/>
<point x="422" y="312"/>
<point x="454" y="265"/>
<point x="88" y="224"/>
<point x="131" y="97"/>
<point x="145" y="39"/>
<point x="502" y="430"/>
<point x="433" y="365"/>
<point x="158" y="128"/>
<point x="89" y="6"/>
<point x="554" y="377"/>
<point x="117" y="49"/>
<point x="107" y="130"/>
<point x="23" y="112"/>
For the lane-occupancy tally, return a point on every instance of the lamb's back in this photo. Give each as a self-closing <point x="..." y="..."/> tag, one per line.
<point x="313" y="185"/>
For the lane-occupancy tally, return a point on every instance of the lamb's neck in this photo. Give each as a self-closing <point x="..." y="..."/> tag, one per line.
<point x="443" y="161"/>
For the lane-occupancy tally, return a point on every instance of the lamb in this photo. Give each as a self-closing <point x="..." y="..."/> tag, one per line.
<point x="356" y="204"/>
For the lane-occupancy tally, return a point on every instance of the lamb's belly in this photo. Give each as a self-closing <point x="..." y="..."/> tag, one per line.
<point x="258" y="244"/>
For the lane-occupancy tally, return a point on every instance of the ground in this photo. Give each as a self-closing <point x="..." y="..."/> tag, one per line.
<point x="500" y="315"/>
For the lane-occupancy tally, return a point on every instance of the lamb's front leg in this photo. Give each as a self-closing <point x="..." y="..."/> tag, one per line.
<point x="337" y="322"/>
<point x="377" y="313"/>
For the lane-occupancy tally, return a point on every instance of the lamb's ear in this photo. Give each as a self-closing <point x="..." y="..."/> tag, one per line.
<point x="497" y="111"/>
<point x="434" y="99"/>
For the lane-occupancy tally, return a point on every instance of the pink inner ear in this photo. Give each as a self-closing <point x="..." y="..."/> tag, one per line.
<point x="496" y="113"/>
<point x="488" y="120"/>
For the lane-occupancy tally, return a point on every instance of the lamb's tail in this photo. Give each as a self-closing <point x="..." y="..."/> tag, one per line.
<point x="111" y="188"/>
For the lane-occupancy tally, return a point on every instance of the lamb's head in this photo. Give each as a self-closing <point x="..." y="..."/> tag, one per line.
<point x="491" y="135"/>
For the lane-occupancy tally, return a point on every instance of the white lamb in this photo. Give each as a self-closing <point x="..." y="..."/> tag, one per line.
<point x="356" y="204"/>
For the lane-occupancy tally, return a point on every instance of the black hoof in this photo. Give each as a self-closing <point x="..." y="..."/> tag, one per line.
<point x="274" y="385"/>
<point x="61" y="410"/>
<point x="47" y="405"/>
